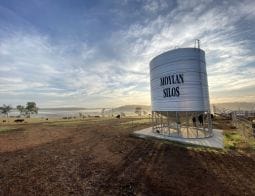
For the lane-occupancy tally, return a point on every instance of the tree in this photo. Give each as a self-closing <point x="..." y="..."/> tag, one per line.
<point x="5" y="109"/>
<point x="102" y="112"/>
<point x="21" y="109"/>
<point x="31" y="108"/>
<point x="145" y="112"/>
<point x="138" y="111"/>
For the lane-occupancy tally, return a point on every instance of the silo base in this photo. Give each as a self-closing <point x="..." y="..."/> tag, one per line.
<point x="184" y="124"/>
<point x="215" y="141"/>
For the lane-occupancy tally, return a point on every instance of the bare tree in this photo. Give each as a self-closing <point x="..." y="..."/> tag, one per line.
<point x="102" y="112"/>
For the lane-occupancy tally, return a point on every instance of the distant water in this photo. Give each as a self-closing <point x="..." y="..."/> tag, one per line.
<point x="56" y="113"/>
<point x="67" y="113"/>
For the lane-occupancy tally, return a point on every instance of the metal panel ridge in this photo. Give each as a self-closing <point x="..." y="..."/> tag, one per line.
<point x="179" y="81"/>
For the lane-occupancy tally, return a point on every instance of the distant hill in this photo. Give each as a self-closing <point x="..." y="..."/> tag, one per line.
<point x="63" y="108"/>
<point x="131" y="108"/>
<point x="128" y="109"/>
<point x="249" y="106"/>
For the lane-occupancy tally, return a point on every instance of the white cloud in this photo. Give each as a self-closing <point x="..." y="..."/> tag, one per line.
<point x="117" y="70"/>
<point x="153" y="6"/>
<point x="216" y="27"/>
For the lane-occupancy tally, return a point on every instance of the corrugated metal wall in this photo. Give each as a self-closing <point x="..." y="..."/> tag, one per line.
<point x="193" y="90"/>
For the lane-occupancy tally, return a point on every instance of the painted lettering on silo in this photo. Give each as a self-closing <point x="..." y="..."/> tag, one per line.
<point x="173" y="81"/>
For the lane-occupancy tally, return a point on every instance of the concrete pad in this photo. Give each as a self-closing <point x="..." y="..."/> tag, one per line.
<point x="216" y="141"/>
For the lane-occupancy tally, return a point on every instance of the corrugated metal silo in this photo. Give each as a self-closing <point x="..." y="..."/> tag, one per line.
<point x="179" y="93"/>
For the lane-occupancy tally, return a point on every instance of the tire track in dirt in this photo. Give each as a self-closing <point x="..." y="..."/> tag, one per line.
<point x="228" y="171"/>
<point x="123" y="178"/>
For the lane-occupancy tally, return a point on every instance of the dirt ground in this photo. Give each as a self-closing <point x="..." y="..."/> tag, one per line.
<point x="101" y="157"/>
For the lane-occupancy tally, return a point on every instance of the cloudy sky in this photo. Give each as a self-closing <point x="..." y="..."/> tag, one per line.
<point x="97" y="53"/>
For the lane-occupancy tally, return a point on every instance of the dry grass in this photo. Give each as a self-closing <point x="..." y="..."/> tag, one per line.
<point x="235" y="137"/>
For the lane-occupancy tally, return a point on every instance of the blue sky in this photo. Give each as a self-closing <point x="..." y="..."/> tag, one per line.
<point x="97" y="53"/>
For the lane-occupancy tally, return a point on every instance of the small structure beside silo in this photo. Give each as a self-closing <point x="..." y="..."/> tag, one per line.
<point x="179" y="94"/>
